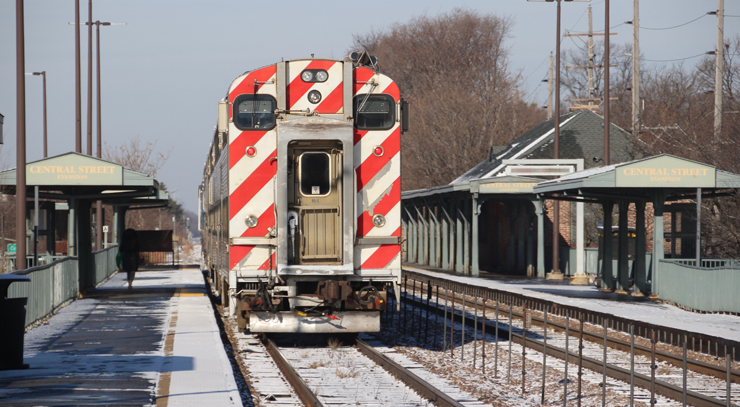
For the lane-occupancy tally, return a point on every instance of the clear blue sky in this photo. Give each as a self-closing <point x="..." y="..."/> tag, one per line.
<point x="165" y="71"/>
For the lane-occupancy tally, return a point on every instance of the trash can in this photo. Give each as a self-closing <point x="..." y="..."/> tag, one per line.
<point x="13" y="324"/>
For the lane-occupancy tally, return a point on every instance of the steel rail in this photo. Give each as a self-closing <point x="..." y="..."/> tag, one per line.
<point x="719" y="372"/>
<point x="301" y="388"/>
<point x="662" y="388"/>
<point x="422" y="387"/>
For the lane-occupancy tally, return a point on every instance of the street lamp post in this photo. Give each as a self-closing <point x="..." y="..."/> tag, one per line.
<point x="43" y="76"/>
<point x="99" y="204"/>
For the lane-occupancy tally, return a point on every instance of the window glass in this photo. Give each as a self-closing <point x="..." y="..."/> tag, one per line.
<point x="374" y="112"/>
<point x="315" y="174"/>
<point x="252" y="112"/>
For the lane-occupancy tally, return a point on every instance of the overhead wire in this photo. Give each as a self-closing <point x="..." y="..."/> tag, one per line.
<point x="674" y="60"/>
<point x="675" y="26"/>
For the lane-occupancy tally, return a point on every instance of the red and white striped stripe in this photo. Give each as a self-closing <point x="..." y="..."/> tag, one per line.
<point x="378" y="179"/>
<point x="251" y="179"/>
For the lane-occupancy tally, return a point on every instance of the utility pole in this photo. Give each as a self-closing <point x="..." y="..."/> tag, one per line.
<point x="549" y="90"/>
<point x="591" y="99"/>
<point x="89" y="79"/>
<point x="555" y="273"/>
<point x="636" y="68"/>
<point x="720" y="55"/>
<point x="20" y="168"/>
<point x="607" y="121"/>
<point x="78" y="86"/>
<point x="591" y="90"/>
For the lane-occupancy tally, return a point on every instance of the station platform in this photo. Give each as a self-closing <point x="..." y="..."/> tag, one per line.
<point x="588" y="297"/>
<point x="158" y="344"/>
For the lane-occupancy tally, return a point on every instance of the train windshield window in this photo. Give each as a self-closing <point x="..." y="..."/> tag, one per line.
<point x="374" y="112"/>
<point x="253" y="112"/>
<point x="315" y="174"/>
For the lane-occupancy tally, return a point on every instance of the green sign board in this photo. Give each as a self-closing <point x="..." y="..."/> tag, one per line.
<point x="11" y="248"/>
<point x="671" y="172"/>
<point x="73" y="169"/>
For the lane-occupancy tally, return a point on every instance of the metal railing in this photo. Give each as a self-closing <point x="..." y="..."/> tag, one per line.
<point x="55" y="284"/>
<point x="708" y="263"/>
<point x="710" y="288"/>
<point x="104" y="263"/>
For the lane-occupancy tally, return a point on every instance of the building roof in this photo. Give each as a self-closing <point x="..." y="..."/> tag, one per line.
<point x="581" y="136"/>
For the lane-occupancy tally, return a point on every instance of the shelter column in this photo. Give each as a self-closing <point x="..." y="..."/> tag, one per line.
<point x="466" y="235"/>
<point x="623" y="273"/>
<point x="607" y="275"/>
<point x="119" y="223"/>
<point x="530" y="244"/>
<point x="411" y="234"/>
<point x="475" y="268"/>
<point x="459" y="238"/>
<point x="538" y="208"/>
<point x="520" y="259"/>
<point x="445" y="222"/>
<point x="640" y="285"/>
<point x="72" y="228"/>
<point x="658" y="239"/>
<point x="84" y="248"/>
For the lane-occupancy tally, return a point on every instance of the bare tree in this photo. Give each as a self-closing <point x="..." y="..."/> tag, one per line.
<point x="143" y="157"/>
<point x="454" y="70"/>
<point x="137" y="157"/>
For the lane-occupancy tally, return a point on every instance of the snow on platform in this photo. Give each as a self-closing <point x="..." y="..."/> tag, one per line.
<point x="157" y="344"/>
<point x="590" y="298"/>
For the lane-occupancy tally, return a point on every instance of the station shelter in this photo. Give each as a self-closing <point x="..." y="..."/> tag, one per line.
<point x="669" y="184"/>
<point x="491" y="219"/>
<point x="66" y="187"/>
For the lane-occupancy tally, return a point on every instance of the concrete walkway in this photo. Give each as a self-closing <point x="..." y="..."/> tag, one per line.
<point x="157" y="344"/>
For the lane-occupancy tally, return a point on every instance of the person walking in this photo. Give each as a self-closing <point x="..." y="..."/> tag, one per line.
<point x="129" y="250"/>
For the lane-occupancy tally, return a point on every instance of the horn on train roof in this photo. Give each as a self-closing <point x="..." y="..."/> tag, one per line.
<point x="363" y="58"/>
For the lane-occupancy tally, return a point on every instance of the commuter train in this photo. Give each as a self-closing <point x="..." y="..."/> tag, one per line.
<point x="300" y="203"/>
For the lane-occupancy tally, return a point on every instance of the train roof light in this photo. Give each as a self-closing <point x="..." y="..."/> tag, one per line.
<point x="307" y="76"/>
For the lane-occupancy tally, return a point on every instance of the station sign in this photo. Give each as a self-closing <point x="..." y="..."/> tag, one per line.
<point x="665" y="171"/>
<point x="11" y="248"/>
<point x="506" y="187"/>
<point x="73" y="169"/>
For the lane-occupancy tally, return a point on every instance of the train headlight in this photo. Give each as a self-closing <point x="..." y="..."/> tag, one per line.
<point x="314" y="96"/>
<point x="251" y="221"/>
<point x="307" y="76"/>
<point x="379" y="220"/>
<point x="321" y="76"/>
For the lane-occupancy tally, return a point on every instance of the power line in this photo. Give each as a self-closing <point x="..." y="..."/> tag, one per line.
<point x="599" y="31"/>
<point x="675" y="26"/>
<point x="674" y="60"/>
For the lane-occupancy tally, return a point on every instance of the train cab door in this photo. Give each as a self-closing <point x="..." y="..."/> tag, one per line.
<point x="315" y="226"/>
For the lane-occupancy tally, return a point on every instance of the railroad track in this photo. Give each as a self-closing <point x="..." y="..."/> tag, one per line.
<point x="349" y="375"/>
<point x="706" y="382"/>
